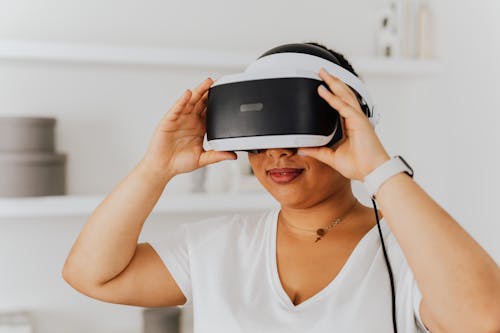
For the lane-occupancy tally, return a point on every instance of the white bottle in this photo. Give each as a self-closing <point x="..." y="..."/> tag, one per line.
<point x="424" y="32"/>
<point x="410" y="13"/>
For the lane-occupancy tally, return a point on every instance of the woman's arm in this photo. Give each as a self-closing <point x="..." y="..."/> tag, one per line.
<point x="460" y="282"/>
<point x="108" y="241"/>
<point x="106" y="262"/>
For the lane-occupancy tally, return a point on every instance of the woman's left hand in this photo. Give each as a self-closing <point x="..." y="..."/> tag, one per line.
<point x="361" y="151"/>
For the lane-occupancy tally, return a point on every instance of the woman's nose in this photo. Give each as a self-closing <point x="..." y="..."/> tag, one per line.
<point x="280" y="152"/>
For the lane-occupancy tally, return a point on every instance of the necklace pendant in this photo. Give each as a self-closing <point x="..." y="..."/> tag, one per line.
<point x="320" y="232"/>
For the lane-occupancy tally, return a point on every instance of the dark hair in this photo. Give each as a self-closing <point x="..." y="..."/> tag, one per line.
<point x="340" y="57"/>
<point x="347" y="65"/>
<point x="319" y="50"/>
<point x="316" y="49"/>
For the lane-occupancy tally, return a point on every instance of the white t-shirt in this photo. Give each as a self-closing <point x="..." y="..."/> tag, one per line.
<point x="226" y="268"/>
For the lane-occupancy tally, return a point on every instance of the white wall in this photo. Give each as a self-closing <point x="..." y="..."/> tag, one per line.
<point x="446" y="124"/>
<point x="461" y="118"/>
<point x="33" y="252"/>
<point x="217" y="24"/>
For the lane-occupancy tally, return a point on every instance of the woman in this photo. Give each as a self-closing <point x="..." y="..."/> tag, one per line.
<point x="273" y="272"/>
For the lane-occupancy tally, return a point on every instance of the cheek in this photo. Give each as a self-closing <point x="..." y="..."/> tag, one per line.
<point x="254" y="163"/>
<point x="323" y="178"/>
<point x="257" y="163"/>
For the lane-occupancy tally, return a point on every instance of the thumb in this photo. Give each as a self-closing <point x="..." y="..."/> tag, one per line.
<point x="212" y="156"/>
<point x="322" y="154"/>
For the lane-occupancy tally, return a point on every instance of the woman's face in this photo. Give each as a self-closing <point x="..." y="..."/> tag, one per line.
<point x="296" y="181"/>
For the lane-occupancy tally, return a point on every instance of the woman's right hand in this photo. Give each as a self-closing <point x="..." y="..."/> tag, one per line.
<point x="177" y="143"/>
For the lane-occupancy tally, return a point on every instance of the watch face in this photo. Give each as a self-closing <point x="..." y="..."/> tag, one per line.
<point x="407" y="165"/>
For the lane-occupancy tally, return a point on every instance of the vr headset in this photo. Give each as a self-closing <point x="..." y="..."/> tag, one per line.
<point x="274" y="103"/>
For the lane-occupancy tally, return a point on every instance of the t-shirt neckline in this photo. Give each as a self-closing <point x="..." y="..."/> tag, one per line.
<point x="273" y="267"/>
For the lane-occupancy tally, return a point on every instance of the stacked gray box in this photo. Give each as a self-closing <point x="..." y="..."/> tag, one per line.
<point x="29" y="165"/>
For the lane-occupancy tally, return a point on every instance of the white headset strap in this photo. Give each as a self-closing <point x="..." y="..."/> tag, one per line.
<point x="290" y="64"/>
<point x="309" y="64"/>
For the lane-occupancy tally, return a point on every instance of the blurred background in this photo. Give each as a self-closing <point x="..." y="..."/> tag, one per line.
<point x="107" y="71"/>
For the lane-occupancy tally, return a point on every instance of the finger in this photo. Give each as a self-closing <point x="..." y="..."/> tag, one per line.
<point x="212" y="156"/>
<point x="180" y="104"/>
<point x="338" y="87"/>
<point x="203" y="114"/>
<point x="201" y="105"/>
<point x="345" y="110"/>
<point x="323" y="154"/>
<point x="198" y="93"/>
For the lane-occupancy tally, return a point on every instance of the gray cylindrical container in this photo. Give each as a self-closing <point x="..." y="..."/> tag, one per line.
<point x="27" y="134"/>
<point x="32" y="174"/>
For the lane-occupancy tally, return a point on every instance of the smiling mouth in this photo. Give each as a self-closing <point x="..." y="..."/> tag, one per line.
<point x="284" y="175"/>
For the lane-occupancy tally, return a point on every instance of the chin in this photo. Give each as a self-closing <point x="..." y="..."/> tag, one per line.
<point x="292" y="195"/>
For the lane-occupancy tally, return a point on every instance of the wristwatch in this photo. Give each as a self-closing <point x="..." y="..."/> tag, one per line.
<point x="383" y="172"/>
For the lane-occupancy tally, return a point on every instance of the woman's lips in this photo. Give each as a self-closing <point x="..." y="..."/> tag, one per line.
<point x="284" y="175"/>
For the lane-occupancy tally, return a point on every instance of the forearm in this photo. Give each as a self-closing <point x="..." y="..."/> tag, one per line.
<point x="108" y="240"/>
<point x="459" y="281"/>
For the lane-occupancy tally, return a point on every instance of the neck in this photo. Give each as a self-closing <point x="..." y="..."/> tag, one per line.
<point x="321" y="214"/>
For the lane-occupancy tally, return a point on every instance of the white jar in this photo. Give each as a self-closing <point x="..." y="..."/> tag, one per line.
<point x="223" y="176"/>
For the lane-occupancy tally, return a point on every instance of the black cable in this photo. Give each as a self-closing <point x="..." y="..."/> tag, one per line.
<point x="389" y="269"/>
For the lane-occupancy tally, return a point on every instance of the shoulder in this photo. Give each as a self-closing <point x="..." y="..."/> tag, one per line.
<point x="229" y="227"/>
<point x="237" y="220"/>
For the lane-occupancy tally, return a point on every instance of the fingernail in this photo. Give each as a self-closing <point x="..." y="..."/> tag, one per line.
<point x="322" y="87"/>
<point x="301" y="153"/>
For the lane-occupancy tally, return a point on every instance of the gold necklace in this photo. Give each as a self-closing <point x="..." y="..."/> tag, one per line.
<point x="322" y="231"/>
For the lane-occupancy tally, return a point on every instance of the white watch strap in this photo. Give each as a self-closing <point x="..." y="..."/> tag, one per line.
<point x="382" y="173"/>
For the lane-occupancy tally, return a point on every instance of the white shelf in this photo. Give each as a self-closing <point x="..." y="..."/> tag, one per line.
<point x="177" y="57"/>
<point x="121" y="55"/>
<point x="396" y="67"/>
<point x="71" y="205"/>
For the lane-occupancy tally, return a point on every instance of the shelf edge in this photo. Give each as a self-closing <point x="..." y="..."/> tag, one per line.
<point x="68" y="206"/>
<point x="184" y="57"/>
